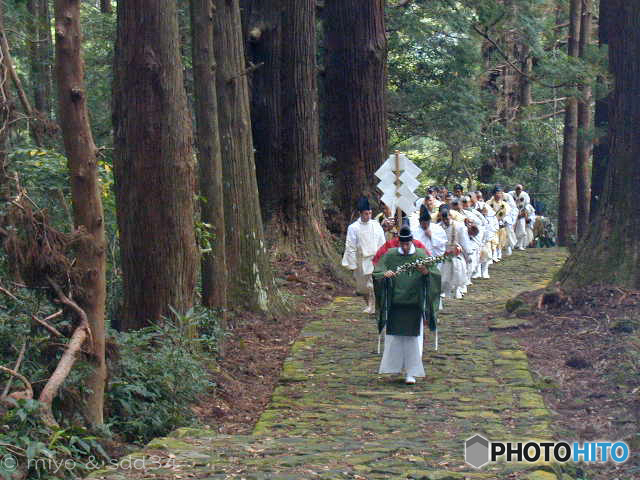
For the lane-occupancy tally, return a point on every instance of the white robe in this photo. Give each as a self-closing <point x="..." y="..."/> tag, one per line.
<point x="511" y="219"/>
<point x="363" y="241"/>
<point x="490" y="233"/>
<point x="522" y="199"/>
<point x="524" y="230"/>
<point x="437" y="243"/>
<point x="402" y="353"/>
<point x="454" y="272"/>
<point x="473" y="261"/>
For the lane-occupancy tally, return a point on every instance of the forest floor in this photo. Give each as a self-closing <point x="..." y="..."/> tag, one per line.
<point x="511" y="375"/>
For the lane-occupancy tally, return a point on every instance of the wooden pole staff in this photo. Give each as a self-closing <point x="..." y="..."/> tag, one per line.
<point x="397" y="183"/>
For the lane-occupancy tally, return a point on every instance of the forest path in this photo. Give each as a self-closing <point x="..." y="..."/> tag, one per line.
<point x="333" y="417"/>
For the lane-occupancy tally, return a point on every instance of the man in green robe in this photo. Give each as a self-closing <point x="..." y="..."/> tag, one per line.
<point x="408" y="299"/>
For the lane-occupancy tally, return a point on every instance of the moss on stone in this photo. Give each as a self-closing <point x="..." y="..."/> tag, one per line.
<point x="513" y="354"/>
<point x="168" y="443"/>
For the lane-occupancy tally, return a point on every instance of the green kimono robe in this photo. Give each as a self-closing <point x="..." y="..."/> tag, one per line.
<point x="409" y="297"/>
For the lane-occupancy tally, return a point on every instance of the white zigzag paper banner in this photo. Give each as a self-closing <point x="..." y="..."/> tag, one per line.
<point x="398" y="185"/>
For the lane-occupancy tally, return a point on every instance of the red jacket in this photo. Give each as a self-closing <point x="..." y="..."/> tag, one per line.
<point x="395" y="242"/>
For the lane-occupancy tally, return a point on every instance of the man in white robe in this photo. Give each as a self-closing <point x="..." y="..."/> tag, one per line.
<point x="454" y="272"/>
<point x="502" y="210"/>
<point x="468" y="209"/>
<point x="364" y="237"/>
<point x="490" y="239"/>
<point x="510" y="222"/>
<point x="526" y="215"/>
<point x="524" y="227"/>
<point x="520" y="196"/>
<point x="430" y="234"/>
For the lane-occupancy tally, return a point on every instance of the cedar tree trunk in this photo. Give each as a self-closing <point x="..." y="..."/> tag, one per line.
<point x="567" y="210"/>
<point x="610" y="252"/>
<point x="584" y="128"/>
<point x="356" y="120"/>
<point x="214" y="269"/>
<point x="85" y="190"/>
<point x="251" y="284"/>
<point x="601" y="120"/>
<point x="153" y="164"/>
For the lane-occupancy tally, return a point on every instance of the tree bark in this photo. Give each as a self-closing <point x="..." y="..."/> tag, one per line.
<point x="610" y="252"/>
<point x="22" y="95"/>
<point x="262" y="27"/>
<point x="601" y="121"/>
<point x="153" y="164"/>
<point x="585" y="142"/>
<point x="85" y="191"/>
<point x="252" y="284"/>
<point x="39" y="44"/>
<point x="282" y="39"/>
<point x="302" y="226"/>
<point x="105" y="6"/>
<point x="355" y="97"/>
<point x="567" y="210"/>
<point x="6" y="116"/>
<point x="214" y="269"/>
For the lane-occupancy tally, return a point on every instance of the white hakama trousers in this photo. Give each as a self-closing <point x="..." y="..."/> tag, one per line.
<point x="512" y="239"/>
<point x="454" y="275"/>
<point x="403" y="354"/>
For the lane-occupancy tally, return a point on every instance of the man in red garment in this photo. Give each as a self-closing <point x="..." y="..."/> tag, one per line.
<point x="395" y="242"/>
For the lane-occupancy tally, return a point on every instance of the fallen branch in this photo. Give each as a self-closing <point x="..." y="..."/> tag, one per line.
<point x="20" y="377"/>
<point x="68" y="358"/>
<point x="46" y="325"/>
<point x="7" y="292"/>
<point x="16" y="367"/>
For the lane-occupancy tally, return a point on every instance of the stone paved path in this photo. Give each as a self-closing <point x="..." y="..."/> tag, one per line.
<point x="333" y="417"/>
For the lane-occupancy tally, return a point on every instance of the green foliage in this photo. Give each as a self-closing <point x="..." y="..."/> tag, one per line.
<point x="204" y="236"/>
<point x="29" y="446"/>
<point x="159" y="375"/>
<point x="446" y="89"/>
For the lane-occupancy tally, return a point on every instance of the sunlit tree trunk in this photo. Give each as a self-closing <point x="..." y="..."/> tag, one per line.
<point x="85" y="191"/>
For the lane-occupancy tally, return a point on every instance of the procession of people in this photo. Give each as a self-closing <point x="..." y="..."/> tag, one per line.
<point x="408" y="266"/>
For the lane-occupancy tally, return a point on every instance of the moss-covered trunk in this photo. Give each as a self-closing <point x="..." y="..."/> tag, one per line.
<point x="251" y="282"/>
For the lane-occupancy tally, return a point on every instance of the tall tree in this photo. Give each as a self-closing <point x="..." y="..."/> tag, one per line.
<point x="601" y="120"/>
<point x="153" y="164"/>
<point x="610" y="252"/>
<point x="567" y="209"/>
<point x="85" y="190"/>
<point x="6" y="115"/>
<point x="252" y="284"/>
<point x="356" y="122"/>
<point x="262" y="27"/>
<point x="214" y="269"/>
<point x="5" y="53"/>
<point x="302" y="224"/>
<point x="105" y="6"/>
<point x="282" y="39"/>
<point x="585" y="142"/>
<point x="39" y="41"/>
